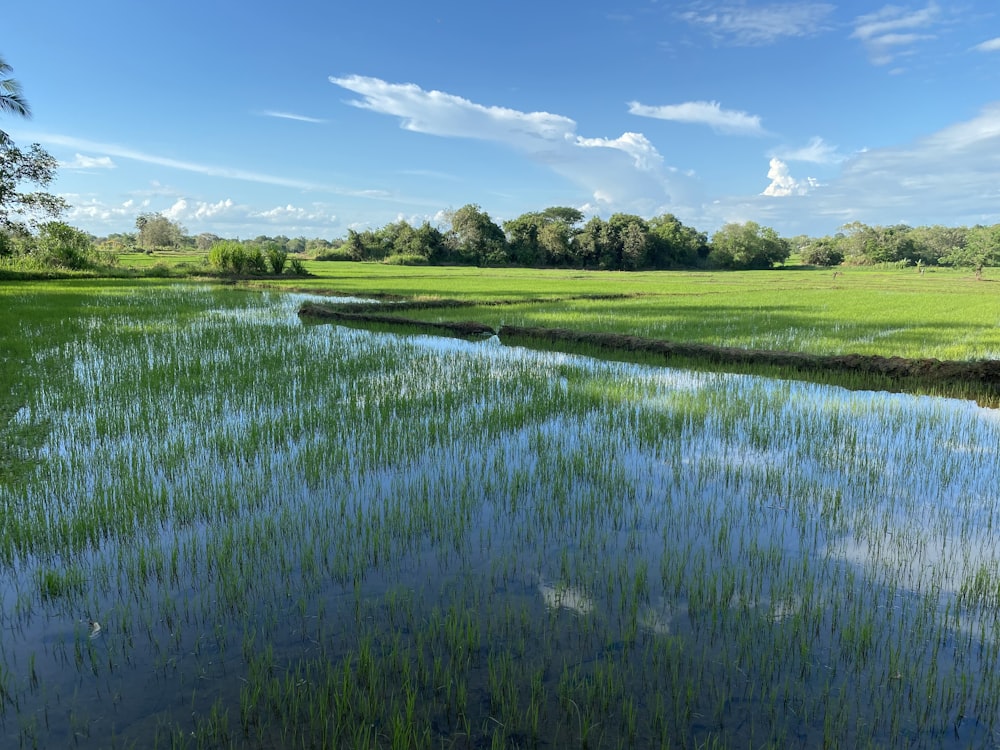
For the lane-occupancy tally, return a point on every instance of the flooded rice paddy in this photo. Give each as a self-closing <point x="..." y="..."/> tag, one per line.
<point x="236" y="530"/>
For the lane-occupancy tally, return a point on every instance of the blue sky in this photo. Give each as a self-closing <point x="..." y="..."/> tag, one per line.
<point x="309" y="118"/>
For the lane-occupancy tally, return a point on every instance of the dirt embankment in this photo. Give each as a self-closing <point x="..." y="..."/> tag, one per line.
<point x="983" y="374"/>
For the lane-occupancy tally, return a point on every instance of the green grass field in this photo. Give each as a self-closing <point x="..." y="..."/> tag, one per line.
<point x="946" y="314"/>
<point x="941" y="313"/>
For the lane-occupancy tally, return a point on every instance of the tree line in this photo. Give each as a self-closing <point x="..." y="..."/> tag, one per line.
<point x="558" y="237"/>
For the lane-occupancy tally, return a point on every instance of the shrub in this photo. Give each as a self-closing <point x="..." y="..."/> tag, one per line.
<point x="337" y="253"/>
<point x="230" y="256"/>
<point x="62" y="246"/>
<point x="406" y="259"/>
<point x="276" y="259"/>
<point x="822" y="253"/>
<point x="295" y="268"/>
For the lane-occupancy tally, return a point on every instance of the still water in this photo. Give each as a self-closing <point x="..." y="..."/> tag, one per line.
<point x="236" y="530"/>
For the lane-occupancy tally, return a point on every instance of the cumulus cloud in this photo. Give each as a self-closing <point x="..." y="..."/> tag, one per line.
<point x="990" y="45"/>
<point x="178" y="211"/>
<point x="89" y="162"/>
<point x="624" y="172"/>
<point x="817" y="151"/>
<point x="739" y="24"/>
<point x="90" y="209"/>
<point x="782" y="182"/>
<point x="703" y="113"/>
<point x="204" y="210"/>
<point x="223" y="216"/>
<point x="885" y="31"/>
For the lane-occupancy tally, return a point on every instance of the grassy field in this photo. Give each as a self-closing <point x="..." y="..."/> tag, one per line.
<point x="944" y="313"/>
<point x="940" y="313"/>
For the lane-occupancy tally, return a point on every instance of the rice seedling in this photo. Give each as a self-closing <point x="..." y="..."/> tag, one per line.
<point x="322" y="536"/>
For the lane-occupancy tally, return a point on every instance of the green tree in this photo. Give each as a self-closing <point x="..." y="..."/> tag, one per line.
<point x="635" y="246"/>
<point x="933" y="243"/>
<point x="11" y="99"/>
<point x="20" y="208"/>
<point x="156" y="230"/>
<point x="747" y="246"/>
<point x="822" y="252"/>
<point x="205" y="240"/>
<point x="863" y="244"/>
<point x="623" y="243"/>
<point x="64" y="246"/>
<point x="556" y="241"/>
<point x="586" y="244"/>
<point x="982" y="248"/>
<point x="522" y="238"/>
<point x="477" y="238"/>
<point x="675" y="245"/>
<point x="565" y="214"/>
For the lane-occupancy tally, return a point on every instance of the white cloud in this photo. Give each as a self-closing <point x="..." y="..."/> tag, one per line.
<point x="946" y="177"/>
<point x="782" y="182"/>
<point x="205" y="210"/>
<point x="224" y="216"/>
<point x="736" y="23"/>
<point x="817" y="151"/>
<point x="644" y="154"/>
<point x="969" y="138"/>
<point x="315" y="215"/>
<point x="178" y="211"/>
<point x="209" y="170"/>
<point x="703" y="113"/>
<point x="626" y="171"/>
<point x="292" y="116"/>
<point x="438" y="113"/>
<point x="991" y="45"/>
<point x="89" y="209"/>
<point x="880" y="31"/>
<point x="89" y="162"/>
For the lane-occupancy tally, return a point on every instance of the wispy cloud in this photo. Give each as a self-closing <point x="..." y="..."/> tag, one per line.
<point x="817" y="151"/>
<point x="88" y="162"/>
<point x="703" y="113"/>
<point x="990" y="45"/>
<point x="211" y="170"/>
<point x="431" y="173"/>
<point x="624" y="171"/>
<point x="740" y="24"/>
<point x="885" y="31"/>
<point x="293" y="116"/>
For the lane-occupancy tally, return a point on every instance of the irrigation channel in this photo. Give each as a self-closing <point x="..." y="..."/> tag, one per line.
<point x="236" y="530"/>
